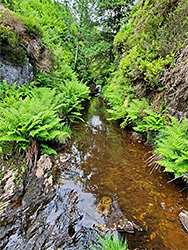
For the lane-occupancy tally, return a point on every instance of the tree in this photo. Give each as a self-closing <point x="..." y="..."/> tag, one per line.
<point x="97" y="22"/>
<point x="112" y="13"/>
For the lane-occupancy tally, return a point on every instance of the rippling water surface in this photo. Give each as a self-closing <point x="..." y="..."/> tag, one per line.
<point x="107" y="161"/>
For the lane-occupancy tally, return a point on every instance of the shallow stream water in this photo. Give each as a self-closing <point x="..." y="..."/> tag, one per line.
<point x="106" y="161"/>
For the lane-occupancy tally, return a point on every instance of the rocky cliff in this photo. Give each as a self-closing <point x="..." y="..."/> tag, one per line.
<point x="21" y="49"/>
<point x="175" y="80"/>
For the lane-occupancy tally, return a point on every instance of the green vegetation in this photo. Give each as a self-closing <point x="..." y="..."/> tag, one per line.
<point x="111" y="243"/>
<point x="109" y="42"/>
<point x="172" y="146"/>
<point x="144" y="47"/>
<point x="144" y="40"/>
<point x="34" y="116"/>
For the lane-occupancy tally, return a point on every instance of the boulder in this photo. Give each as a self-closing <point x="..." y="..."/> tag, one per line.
<point x="95" y="89"/>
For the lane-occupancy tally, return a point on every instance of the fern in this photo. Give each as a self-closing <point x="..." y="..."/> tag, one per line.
<point x="172" y="145"/>
<point x="36" y="115"/>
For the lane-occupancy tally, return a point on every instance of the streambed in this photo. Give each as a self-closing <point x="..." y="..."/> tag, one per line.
<point x="110" y="162"/>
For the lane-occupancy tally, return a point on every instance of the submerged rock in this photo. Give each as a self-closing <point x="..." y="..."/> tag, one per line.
<point x="183" y="218"/>
<point x="104" y="205"/>
<point x="116" y="220"/>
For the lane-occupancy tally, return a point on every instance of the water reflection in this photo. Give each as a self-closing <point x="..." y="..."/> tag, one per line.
<point x="109" y="162"/>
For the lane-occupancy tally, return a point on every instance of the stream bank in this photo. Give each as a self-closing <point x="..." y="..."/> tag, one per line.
<point x="98" y="179"/>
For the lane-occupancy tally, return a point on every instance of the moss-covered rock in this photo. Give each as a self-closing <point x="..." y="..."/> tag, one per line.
<point x="10" y="30"/>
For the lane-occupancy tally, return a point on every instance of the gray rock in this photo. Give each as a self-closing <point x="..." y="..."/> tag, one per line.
<point x="44" y="164"/>
<point x="183" y="218"/>
<point x="12" y="73"/>
<point x="175" y="79"/>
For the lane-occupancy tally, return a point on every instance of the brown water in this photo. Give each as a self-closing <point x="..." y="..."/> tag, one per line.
<point x="107" y="161"/>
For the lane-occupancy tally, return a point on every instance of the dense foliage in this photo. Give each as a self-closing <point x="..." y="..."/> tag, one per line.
<point x="93" y="41"/>
<point x="172" y="146"/>
<point x="36" y="117"/>
<point x="144" y="47"/>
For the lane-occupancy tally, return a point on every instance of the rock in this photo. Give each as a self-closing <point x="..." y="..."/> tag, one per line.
<point x="124" y="225"/>
<point x="138" y="137"/>
<point x="3" y="205"/>
<point x="63" y="158"/>
<point x="12" y="73"/>
<point x="11" y="190"/>
<point x="176" y="81"/>
<point x="44" y="164"/>
<point x="39" y="172"/>
<point x="95" y="89"/>
<point x="116" y="220"/>
<point x="104" y="205"/>
<point x="183" y="218"/>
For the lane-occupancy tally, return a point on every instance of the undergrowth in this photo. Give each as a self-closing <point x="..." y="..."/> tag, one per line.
<point x="110" y="243"/>
<point x="165" y="133"/>
<point x="172" y="146"/>
<point x="32" y="117"/>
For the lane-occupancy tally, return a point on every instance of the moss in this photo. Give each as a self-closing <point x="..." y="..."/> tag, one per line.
<point x="12" y="32"/>
<point x="32" y="26"/>
<point x="11" y="47"/>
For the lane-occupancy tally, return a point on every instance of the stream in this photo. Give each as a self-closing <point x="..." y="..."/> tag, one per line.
<point x="99" y="181"/>
<point x="110" y="162"/>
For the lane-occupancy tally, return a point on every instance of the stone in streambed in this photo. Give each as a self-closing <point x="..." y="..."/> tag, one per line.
<point x="183" y="218"/>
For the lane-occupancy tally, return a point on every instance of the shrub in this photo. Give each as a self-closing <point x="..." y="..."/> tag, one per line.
<point x="32" y="121"/>
<point x="31" y="117"/>
<point x="144" y="118"/>
<point x="118" y="96"/>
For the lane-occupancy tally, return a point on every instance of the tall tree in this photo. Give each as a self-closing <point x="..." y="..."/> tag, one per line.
<point x="97" y="22"/>
<point x="112" y="13"/>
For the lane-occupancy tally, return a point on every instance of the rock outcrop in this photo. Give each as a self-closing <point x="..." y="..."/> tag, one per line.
<point x="40" y="215"/>
<point x="11" y="73"/>
<point x="176" y="82"/>
<point x="21" y="50"/>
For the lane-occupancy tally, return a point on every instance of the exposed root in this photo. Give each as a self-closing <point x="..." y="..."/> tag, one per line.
<point x="31" y="154"/>
<point x="183" y="175"/>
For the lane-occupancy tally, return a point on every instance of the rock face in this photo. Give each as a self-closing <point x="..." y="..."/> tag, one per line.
<point x="176" y="82"/>
<point x="16" y="73"/>
<point x="41" y="215"/>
